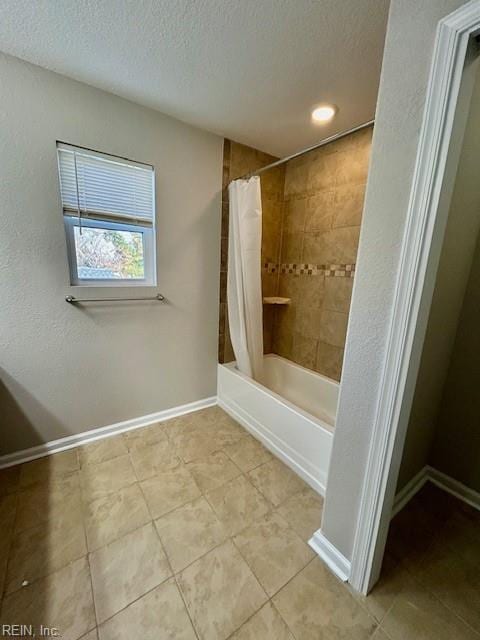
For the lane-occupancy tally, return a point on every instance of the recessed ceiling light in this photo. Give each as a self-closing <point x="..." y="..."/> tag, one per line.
<point x="323" y="113"/>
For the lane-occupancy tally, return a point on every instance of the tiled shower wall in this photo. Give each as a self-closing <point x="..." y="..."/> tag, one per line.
<point x="238" y="160"/>
<point x="323" y="202"/>
<point x="312" y="208"/>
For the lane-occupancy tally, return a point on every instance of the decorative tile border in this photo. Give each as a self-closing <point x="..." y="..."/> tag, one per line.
<point x="340" y="271"/>
<point x="301" y="269"/>
<point x="329" y="271"/>
<point x="271" y="267"/>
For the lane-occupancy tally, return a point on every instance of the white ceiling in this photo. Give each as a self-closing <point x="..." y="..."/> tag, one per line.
<point x="250" y="70"/>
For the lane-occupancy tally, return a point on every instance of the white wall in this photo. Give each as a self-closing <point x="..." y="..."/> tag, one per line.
<point x="453" y="273"/>
<point x="406" y="64"/>
<point x="66" y="369"/>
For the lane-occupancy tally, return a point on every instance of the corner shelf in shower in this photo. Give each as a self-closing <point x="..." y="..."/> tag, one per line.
<point x="277" y="300"/>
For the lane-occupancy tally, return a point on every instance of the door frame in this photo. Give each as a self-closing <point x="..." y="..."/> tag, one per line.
<point x="432" y="185"/>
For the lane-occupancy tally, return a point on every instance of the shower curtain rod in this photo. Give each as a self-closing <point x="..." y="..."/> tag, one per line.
<point x="337" y="136"/>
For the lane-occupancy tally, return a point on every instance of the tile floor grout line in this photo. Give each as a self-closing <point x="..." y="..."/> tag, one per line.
<point x="32" y="582"/>
<point x="251" y="568"/>
<point x="180" y="591"/>
<point x="436" y="537"/>
<point x="271" y="603"/>
<point x="198" y="460"/>
<point x="273" y="506"/>
<point x="227" y="539"/>
<point x="293" y="577"/>
<point x="95" y="613"/>
<point x="218" y="517"/>
<point x="40" y="487"/>
<point x="169" y="577"/>
<point x="269" y="599"/>
<point x="263" y="494"/>
<point x="118" y="537"/>
<point x="111" y="491"/>
<point x="177" y="508"/>
<point x="222" y="448"/>
<point x="155" y="518"/>
<point x="85" y="503"/>
<point x="456" y="614"/>
<point x="272" y="509"/>
<point x="438" y="599"/>
<point x="375" y="629"/>
<point x="247" y="620"/>
<point x="248" y="435"/>
<point x="152" y="521"/>
<point x="45" y="483"/>
<point x="388" y="609"/>
<point x="4" y="593"/>
<point x="282" y="618"/>
<point x="452" y="550"/>
<point x="316" y="557"/>
<point x="94" y="464"/>
<point x="230" y="537"/>
<point x="361" y="600"/>
<point x="84" y="523"/>
<point x="418" y="579"/>
<point x="101" y="624"/>
<point x="83" y="465"/>
<point x="173" y="576"/>
<point x="202" y="556"/>
<point x="387" y="635"/>
<point x="42" y="577"/>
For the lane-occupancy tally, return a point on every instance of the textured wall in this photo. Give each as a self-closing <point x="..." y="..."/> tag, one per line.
<point x="67" y="369"/>
<point x="323" y="202"/>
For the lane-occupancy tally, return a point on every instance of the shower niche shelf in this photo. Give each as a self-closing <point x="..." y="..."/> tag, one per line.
<point x="277" y="300"/>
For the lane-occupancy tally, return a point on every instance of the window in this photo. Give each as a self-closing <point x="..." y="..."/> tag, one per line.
<point x="109" y="215"/>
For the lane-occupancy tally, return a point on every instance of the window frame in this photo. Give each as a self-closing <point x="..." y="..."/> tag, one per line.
<point x="148" y="231"/>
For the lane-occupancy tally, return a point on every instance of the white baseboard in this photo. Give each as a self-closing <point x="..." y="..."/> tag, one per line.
<point x="332" y="557"/>
<point x="79" y="439"/>
<point x="441" y="480"/>
<point x="456" y="488"/>
<point x="279" y="448"/>
<point x="412" y="487"/>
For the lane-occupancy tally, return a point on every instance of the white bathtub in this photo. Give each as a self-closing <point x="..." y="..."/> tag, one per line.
<point x="293" y="414"/>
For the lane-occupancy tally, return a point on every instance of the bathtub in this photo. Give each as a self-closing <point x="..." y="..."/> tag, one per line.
<point x="292" y="413"/>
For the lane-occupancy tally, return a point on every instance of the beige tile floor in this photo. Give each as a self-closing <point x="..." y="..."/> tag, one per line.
<point x="191" y="529"/>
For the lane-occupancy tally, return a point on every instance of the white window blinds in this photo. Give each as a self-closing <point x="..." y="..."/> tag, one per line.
<point x="101" y="186"/>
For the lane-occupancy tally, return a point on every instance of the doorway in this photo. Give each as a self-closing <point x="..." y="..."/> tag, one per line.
<point x="450" y="90"/>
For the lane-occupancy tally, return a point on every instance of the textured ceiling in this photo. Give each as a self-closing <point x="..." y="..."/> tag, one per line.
<point x="250" y="70"/>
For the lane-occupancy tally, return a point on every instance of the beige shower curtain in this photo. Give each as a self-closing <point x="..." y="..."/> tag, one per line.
<point x="244" y="283"/>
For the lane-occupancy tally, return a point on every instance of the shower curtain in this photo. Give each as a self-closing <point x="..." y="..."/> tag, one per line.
<point x="244" y="282"/>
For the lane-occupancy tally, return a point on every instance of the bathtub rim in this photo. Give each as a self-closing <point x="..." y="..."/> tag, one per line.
<point x="321" y="424"/>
